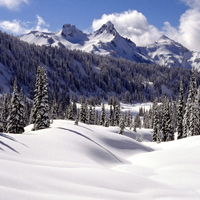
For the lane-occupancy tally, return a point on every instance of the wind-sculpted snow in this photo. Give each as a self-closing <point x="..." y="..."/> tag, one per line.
<point x="82" y="161"/>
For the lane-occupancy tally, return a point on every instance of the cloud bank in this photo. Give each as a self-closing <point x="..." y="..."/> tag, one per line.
<point x="18" y="27"/>
<point x="134" y="25"/>
<point x="12" y="4"/>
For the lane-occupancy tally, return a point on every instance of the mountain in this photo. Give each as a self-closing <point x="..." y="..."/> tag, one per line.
<point x="107" y="41"/>
<point x="82" y="73"/>
<point x="167" y="52"/>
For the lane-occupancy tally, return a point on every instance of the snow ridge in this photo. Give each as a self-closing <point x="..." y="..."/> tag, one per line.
<point x="107" y="41"/>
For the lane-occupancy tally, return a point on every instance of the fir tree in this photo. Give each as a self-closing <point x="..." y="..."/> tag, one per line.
<point x="5" y="111"/>
<point x="14" y="117"/>
<point x="21" y="113"/>
<point x="41" y="109"/>
<point x="188" y="119"/>
<point x="121" y="124"/>
<point x="156" y="131"/>
<point x="103" y="114"/>
<point x="76" y="118"/>
<point x="70" y="111"/>
<point x="197" y="112"/>
<point x="106" y="123"/>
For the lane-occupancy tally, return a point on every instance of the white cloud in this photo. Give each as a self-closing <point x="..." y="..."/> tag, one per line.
<point x="194" y="4"/>
<point x="41" y="24"/>
<point x="13" y="4"/>
<point x="188" y="31"/>
<point x="17" y="27"/>
<point x="134" y="25"/>
<point x="131" y="24"/>
<point x="14" y="27"/>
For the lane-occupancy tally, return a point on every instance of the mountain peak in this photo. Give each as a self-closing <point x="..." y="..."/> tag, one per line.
<point x="69" y="30"/>
<point x="164" y="38"/>
<point x="108" y="28"/>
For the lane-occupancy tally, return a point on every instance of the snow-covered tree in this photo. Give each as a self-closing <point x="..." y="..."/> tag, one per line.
<point x="21" y="113"/>
<point x="106" y="123"/>
<point x="5" y="111"/>
<point x="70" y="111"/>
<point x="189" y="116"/>
<point x="41" y="106"/>
<point x="156" y="128"/>
<point x="180" y="112"/>
<point x="121" y="124"/>
<point x="103" y="113"/>
<point x="197" y="113"/>
<point x="14" y="118"/>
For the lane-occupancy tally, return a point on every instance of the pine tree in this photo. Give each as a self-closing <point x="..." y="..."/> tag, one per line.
<point x="70" y="111"/>
<point x="168" y="125"/>
<point x="41" y="110"/>
<point x="103" y="114"/>
<point x="14" y="117"/>
<point x="121" y="124"/>
<point x="156" y="131"/>
<point x="21" y="113"/>
<point x="5" y="111"/>
<point x="106" y="123"/>
<point x="76" y="118"/>
<point x="117" y="115"/>
<point x="188" y="119"/>
<point x="90" y="116"/>
<point x="37" y="96"/>
<point x="197" y="112"/>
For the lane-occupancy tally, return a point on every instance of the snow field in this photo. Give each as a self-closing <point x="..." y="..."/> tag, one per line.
<point x="93" y="162"/>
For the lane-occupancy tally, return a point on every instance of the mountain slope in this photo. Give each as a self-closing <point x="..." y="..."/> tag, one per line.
<point x="92" y="162"/>
<point x="107" y="41"/>
<point x="168" y="53"/>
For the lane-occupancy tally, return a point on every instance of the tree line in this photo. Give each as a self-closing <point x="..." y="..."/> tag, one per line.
<point x="182" y="117"/>
<point x="73" y="71"/>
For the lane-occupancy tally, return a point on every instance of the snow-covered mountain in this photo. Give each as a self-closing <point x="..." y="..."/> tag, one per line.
<point x="167" y="52"/>
<point x="107" y="41"/>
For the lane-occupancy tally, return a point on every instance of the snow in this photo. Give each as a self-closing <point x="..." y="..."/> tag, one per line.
<point x="105" y="41"/>
<point x="68" y="161"/>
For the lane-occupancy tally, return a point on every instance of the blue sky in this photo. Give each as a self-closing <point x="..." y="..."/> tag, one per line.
<point x="143" y="21"/>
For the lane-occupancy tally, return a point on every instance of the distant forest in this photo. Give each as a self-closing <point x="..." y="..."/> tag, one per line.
<point x="79" y="73"/>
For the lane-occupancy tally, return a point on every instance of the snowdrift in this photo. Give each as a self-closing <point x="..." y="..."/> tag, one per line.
<point x="92" y="162"/>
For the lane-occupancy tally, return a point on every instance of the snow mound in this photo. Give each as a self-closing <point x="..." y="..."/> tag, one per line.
<point x="68" y="161"/>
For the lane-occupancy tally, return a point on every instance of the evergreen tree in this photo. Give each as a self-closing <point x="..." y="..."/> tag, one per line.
<point x="41" y="109"/>
<point x="14" y="117"/>
<point x="21" y="113"/>
<point x="137" y="122"/>
<point x="197" y="112"/>
<point x="121" y="124"/>
<point x="5" y="111"/>
<point x="168" y="126"/>
<point x="165" y="120"/>
<point x="37" y="96"/>
<point x="70" y="111"/>
<point x="103" y="113"/>
<point x="117" y="115"/>
<point x="90" y="116"/>
<point x="76" y="118"/>
<point x="156" y="131"/>
<point x="106" y="123"/>
<point x="188" y="119"/>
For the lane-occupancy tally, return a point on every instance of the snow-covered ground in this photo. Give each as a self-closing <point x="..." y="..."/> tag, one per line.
<point x="93" y="162"/>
